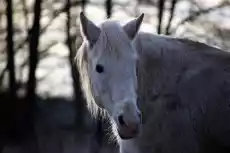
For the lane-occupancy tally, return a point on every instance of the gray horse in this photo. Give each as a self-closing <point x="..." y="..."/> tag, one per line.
<point x="162" y="94"/>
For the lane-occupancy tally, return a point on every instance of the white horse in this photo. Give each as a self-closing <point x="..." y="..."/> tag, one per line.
<point x="162" y="94"/>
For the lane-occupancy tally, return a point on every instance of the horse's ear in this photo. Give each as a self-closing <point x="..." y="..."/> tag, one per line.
<point x="88" y="29"/>
<point x="131" y="28"/>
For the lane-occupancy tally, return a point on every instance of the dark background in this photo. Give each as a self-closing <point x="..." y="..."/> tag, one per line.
<point x="41" y="105"/>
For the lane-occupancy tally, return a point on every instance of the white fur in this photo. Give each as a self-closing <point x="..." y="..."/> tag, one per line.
<point x="163" y="73"/>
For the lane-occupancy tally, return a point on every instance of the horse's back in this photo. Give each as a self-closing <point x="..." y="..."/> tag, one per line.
<point x="150" y="44"/>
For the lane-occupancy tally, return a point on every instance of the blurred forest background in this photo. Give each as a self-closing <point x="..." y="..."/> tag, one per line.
<point x="41" y="105"/>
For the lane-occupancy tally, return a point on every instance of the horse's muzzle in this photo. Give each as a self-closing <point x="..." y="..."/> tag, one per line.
<point x="128" y="129"/>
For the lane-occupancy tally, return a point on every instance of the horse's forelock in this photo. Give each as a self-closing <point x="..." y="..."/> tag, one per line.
<point x="114" y="36"/>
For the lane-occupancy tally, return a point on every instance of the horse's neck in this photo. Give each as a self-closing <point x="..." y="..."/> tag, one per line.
<point x="161" y="62"/>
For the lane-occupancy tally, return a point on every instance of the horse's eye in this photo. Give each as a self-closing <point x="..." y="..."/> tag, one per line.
<point x="99" y="68"/>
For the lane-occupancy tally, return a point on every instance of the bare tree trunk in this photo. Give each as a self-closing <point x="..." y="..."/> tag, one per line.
<point x="172" y="9"/>
<point x="10" y="50"/>
<point x="108" y="5"/>
<point x="160" y="15"/>
<point x="83" y="3"/>
<point x="33" y="52"/>
<point x="8" y="112"/>
<point x="33" y="60"/>
<point x="71" y="43"/>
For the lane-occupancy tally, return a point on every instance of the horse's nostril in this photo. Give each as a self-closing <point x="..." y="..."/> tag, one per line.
<point x="121" y="120"/>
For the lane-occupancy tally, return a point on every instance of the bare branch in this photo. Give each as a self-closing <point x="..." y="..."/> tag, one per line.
<point x="42" y="30"/>
<point x="196" y="14"/>
<point x="25" y="11"/>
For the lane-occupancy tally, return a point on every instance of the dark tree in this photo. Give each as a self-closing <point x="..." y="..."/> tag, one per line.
<point x="29" y="105"/>
<point x="108" y="5"/>
<point x="71" y="43"/>
<point x="172" y="10"/>
<point x="33" y="51"/>
<point x="161" y="4"/>
<point x="83" y="3"/>
<point x="8" y="107"/>
<point x="10" y="50"/>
